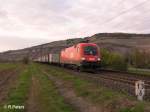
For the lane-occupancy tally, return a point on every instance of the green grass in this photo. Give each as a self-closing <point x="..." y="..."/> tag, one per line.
<point x="96" y="94"/>
<point x="49" y="98"/>
<point x="138" y="108"/>
<point x="4" y="66"/>
<point x="17" y="96"/>
<point x="139" y="71"/>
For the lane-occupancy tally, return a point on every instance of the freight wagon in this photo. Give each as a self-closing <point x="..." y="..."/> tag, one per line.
<point x="54" y="58"/>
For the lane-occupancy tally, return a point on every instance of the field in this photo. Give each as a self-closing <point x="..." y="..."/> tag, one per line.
<point x="46" y="88"/>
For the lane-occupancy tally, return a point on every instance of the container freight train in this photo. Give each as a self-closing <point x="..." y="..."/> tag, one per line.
<point x="81" y="56"/>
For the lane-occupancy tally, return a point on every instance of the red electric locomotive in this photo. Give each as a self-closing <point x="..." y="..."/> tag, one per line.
<point x="82" y="55"/>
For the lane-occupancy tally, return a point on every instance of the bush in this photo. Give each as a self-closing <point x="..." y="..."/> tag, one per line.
<point x="25" y="60"/>
<point x="113" y="60"/>
<point x="140" y="59"/>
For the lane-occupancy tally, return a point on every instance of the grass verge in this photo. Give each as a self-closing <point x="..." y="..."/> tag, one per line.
<point x="17" y="96"/>
<point x="139" y="71"/>
<point x="48" y="98"/>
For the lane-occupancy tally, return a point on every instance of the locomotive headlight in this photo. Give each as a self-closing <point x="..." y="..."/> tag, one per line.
<point x="83" y="58"/>
<point x="98" y="59"/>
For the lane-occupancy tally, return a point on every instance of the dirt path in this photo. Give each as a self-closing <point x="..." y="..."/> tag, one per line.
<point x="79" y="103"/>
<point x="8" y="79"/>
<point x="32" y="103"/>
<point x="4" y="74"/>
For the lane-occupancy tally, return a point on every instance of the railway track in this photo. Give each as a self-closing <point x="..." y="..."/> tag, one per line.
<point x="131" y="76"/>
<point x="119" y="81"/>
<point x="123" y="77"/>
<point x="127" y="77"/>
<point x="116" y="80"/>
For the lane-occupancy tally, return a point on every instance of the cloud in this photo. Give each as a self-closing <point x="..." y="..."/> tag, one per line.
<point x="61" y="19"/>
<point x="11" y="43"/>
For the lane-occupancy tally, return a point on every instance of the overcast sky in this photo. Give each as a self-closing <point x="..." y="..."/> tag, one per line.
<point x="25" y="23"/>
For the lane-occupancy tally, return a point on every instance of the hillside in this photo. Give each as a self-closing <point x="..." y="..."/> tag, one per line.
<point x="117" y="42"/>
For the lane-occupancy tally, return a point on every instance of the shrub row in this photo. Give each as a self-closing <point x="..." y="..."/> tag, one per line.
<point x="112" y="60"/>
<point x="140" y="59"/>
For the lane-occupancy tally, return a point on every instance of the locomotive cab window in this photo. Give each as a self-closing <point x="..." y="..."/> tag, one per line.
<point x="90" y="50"/>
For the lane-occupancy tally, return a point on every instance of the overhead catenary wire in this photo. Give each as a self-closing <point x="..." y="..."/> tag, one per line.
<point x="124" y="12"/>
<point x="134" y="24"/>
